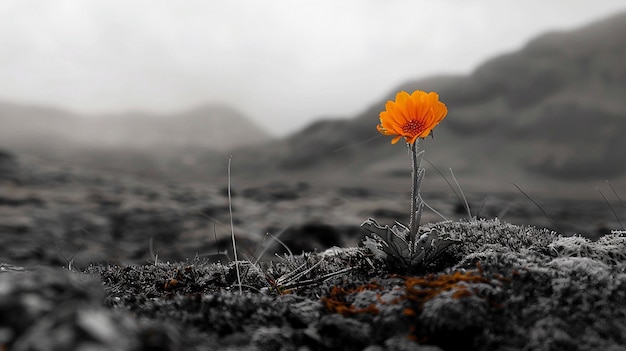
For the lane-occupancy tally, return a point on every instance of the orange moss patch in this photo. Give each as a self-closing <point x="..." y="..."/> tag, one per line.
<point x="416" y="289"/>
<point x="336" y="300"/>
<point x="422" y="289"/>
<point x="409" y="312"/>
<point x="180" y="279"/>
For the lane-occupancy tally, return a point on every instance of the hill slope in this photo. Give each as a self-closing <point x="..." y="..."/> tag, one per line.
<point x="553" y="112"/>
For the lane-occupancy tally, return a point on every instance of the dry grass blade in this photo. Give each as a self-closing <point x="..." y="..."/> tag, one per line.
<point x="435" y="211"/>
<point x="611" y="207"/>
<point x="540" y="208"/>
<point x="274" y="237"/>
<point x="296" y="274"/>
<point x="615" y="192"/>
<point x="469" y="213"/>
<point x="358" y="143"/>
<point x="444" y="178"/>
<point x="232" y="228"/>
<point x="317" y="280"/>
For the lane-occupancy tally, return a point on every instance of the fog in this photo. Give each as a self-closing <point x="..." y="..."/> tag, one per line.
<point x="281" y="63"/>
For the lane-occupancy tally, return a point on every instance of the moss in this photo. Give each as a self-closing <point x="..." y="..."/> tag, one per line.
<point x="504" y="287"/>
<point x="609" y="249"/>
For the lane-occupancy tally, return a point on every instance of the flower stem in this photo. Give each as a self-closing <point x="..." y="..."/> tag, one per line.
<point x="415" y="191"/>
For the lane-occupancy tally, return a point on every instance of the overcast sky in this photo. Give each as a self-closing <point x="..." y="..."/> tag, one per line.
<point x="283" y="63"/>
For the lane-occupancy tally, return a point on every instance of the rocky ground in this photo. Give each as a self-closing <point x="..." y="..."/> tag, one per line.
<point x="90" y="260"/>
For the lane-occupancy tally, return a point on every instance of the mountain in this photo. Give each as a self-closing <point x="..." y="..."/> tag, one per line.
<point x="152" y="145"/>
<point x="552" y="113"/>
<point x="215" y="127"/>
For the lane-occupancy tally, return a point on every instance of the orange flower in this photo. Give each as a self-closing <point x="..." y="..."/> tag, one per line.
<point x="411" y="116"/>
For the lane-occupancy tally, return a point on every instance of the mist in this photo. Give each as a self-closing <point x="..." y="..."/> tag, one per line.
<point x="281" y="64"/>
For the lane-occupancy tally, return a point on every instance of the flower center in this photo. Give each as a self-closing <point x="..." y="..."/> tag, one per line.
<point x="413" y="127"/>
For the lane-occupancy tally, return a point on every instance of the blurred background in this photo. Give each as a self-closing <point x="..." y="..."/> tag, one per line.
<point x="100" y="97"/>
<point x="282" y="64"/>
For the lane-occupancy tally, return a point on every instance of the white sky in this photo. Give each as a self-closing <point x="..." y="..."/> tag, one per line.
<point x="283" y="63"/>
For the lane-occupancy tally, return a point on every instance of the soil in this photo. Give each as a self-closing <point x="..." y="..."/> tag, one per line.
<point x="102" y="261"/>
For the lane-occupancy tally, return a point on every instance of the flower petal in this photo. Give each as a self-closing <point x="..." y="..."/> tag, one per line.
<point x="411" y="116"/>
